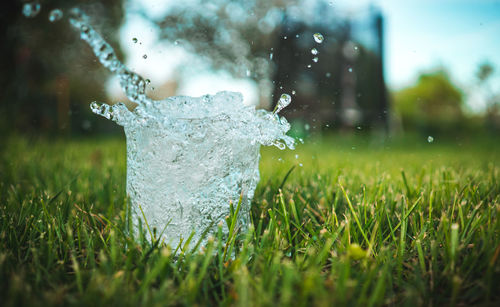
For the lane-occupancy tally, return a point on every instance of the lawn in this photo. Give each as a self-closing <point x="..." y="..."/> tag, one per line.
<point x="358" y="221"/>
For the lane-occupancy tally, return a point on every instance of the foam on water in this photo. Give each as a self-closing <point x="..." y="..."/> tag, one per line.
<point x="187" y="157"/>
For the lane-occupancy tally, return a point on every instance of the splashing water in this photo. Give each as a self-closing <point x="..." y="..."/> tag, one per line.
<point x="318" y="37"/>
<point x="55" y="15"/>
<point x="187" y="157"/>
<point x="31" y="9"/>
<point x="283" y="102"/>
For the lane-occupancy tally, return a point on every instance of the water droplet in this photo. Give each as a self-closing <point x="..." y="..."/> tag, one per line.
<point x="271" y="56"/>
<point x="283" y="102"/>
<point x="430" y="139"/>
<point x="293" y="92"/>
<point x="309" y="66"/>
<point x="135" y="40"/>
<point x="358" y="127"/>
<point x="350" y="69"/>
<point x="314" y="51"/>
<point x="145" y="56"/>
<point x="284" y="37"/>
<point x="55" y="15"/>
<point x="315" y="59"/>
<point x="249" y="73"/>
<point x="176" y="42"/>
<point x="307" y="127"/>
<point x="31" y="9"/>
<point x="328" y="75"/>
<point x="318" y="37"/>
<point x="300" y="164"/>
<point x="296" y="156"/>
<point x="355" y="47"/>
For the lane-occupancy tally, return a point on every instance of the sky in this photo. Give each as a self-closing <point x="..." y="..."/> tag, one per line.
<point x="419" y="35"/>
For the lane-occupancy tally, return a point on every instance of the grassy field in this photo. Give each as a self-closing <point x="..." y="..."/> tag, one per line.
<point x="361" y="222"/>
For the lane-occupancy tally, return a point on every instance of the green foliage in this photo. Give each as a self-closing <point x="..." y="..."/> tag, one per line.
<point x="358" y="224"/>
<point x="433" y="104"/>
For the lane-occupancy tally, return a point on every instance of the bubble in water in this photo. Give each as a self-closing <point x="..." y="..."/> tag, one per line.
<point x="55" y="15"/>
<point x="283" y="102"/>
<point x="145" y="56"/>
<point x="314" y="51"/>
<point x="135" y="40"/>
<point x="31" y="9"/>
<point x="318" y="37"/>
<point x="315" y="59"/>
<point x="430" y="139"/>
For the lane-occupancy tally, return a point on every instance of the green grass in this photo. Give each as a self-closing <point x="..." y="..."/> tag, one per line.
<point x="362" y="222"/>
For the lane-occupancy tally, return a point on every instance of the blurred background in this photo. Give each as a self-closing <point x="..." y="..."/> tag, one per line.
<point x="383" y="68"/>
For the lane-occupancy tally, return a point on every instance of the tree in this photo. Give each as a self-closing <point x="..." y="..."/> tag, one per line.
<point x="433" y="104"/>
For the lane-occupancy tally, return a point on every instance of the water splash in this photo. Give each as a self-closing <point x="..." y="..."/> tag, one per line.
<point x="208" y="146"/>
<point x="31" y="9"/>
<point x="283" y="102"/>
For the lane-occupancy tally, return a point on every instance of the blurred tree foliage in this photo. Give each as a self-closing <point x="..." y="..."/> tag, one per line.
<point x="49" y="76"/>
<point x="432" y="105"/>
<point x="234" y="35"/>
